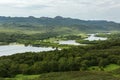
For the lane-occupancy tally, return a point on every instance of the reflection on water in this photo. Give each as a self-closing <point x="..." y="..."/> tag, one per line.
<point x="69" y="42"/>
<point x="92" y="37"/>
<point x="13" y="49"/>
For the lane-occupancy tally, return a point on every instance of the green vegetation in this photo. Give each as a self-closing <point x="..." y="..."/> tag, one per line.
<point x="111" y="67"/>
<point x="24" y="38"/>
<point x="73" y="75"/>
<point x="107" y="68"/>
<point x="99" y="60"/>
<point x="39" y="39"/>
<point x="79" y="58"/>
<point x="32" y="25"/>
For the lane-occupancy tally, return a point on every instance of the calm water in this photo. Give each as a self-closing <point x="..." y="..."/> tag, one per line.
<point x="69" y="42"/>
<point x="13" y="49"/>
<point x="92" y="37"/>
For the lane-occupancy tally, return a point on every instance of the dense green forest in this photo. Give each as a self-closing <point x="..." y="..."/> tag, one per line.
<point x="15" y="37"/>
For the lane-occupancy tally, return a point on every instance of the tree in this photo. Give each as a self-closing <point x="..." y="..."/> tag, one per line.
<point x="103" y="63"/>
<point x="5" y="68"/>
<point x="63" y="66"/>
<point x="84" y="65"/>
<point x="23" y="68"/>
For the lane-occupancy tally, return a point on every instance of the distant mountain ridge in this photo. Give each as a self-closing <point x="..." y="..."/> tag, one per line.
<point x="58" y="23"/>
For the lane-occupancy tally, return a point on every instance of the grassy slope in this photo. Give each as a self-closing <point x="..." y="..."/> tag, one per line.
<point x="60" y="30"/>
<point x="76" y="75"/>
<point x="110" y="67"/>
<point x="13" y="30"/>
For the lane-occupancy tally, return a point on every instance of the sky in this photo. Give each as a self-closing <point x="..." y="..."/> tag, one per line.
<point x="81" y="9"/>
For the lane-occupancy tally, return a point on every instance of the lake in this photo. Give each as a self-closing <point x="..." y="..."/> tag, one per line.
<point x="69" y="42"/>
<point x="92" y="37"/>
<point x="13" y="49"/>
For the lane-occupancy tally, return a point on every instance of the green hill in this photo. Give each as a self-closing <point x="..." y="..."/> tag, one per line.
<point x="57" y="24"/>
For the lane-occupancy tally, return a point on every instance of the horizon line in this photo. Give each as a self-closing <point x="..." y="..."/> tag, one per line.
<point x="61" y="17"/>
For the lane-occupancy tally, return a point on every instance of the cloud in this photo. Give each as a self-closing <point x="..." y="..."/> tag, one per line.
<point x="83" y="9"/>
<point x="23" y="4"/>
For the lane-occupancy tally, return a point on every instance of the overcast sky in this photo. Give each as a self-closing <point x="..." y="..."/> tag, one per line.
<point x="82" y="9"/>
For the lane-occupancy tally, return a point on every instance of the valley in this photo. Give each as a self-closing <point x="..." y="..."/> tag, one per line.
<point x="58" y="48"/>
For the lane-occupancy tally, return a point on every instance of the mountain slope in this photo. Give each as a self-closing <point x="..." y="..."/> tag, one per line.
<point x="57" y="24"/>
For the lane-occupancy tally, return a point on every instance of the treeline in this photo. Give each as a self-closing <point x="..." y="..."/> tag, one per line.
<point x="71" y="37"/>
<point x="73" y="59"/>
<point x="15" y="37"/>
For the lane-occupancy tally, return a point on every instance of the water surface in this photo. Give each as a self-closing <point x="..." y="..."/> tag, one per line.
<point x="13" y="49"/>
<point x="69" y="42"/>
<point x="92" y="37"/>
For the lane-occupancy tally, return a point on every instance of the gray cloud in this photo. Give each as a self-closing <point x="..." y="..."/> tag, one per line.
<point x="83" y="9"/>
